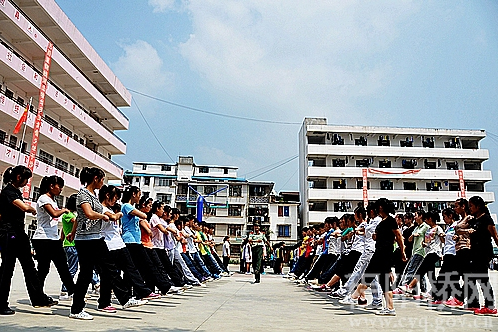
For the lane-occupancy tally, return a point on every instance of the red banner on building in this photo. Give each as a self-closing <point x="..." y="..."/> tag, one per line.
<point x="365" y="187"/>
<point x="38" y="119"/>
<point x="462" y="183"/>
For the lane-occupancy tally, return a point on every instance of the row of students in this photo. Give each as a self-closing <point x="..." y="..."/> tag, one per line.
<point x="93" y="237"/>
<point x="428" y="243"/>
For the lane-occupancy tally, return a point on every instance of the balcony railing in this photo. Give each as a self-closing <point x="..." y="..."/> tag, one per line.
<point x="55" y="125"/>
<point x="259" y="199"/>
<point x="99" y="121"/>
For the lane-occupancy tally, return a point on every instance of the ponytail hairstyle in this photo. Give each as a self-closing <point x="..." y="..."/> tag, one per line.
<point x="128" y="192"/>
<point x="10" y="175"/>
<point x="449" y="212"/>
<point x="464" y="204"/>
<point x="360" y="210"/>
<point x="144" y="201"/>
<point x="155" y="206"/>
<point x="108" y="191"/>
<point x="88" y="174"/>
<point x="480" y="204"/>
<point x="48" y="181"/>
<point x="71" y="202"/>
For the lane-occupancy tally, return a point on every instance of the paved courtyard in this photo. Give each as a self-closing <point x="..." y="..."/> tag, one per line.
<point x="236" y="304"/>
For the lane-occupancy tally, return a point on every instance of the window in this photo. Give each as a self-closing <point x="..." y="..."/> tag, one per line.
<point x="209" y="189"/>
<point x="66" y="131"/>
<point x="147" y="181"/>
<point x="283" y="211"/>
<point x="359" y="184"/>
<point x="144" y="167"/>
<point x="454" y="187"/>
<point x="77" y="172"/>
<point x="386" y="185"/>
<point x="165" y="198"/>
<point x="284" y="231"/>
<point x="338" y="162"/>
<point x="409" y="186"/>
<point x="3" y="134"/>
<point x="165" y="168"/>
<point x="235" y="230"/>
<point x="137" y="180"/>
<point x="13" y="141"/>
<point x="433" y="186"/>
<point x="384" y="163"/>
<point x="145" y="194"/>
<point x="235" y="210"/>
<point x="235" y="191"/>
<point x="51" y="121"/>
<point x="341" y="184"/>
<point x="36" y="194"/>
<point x="46" y="157"/>
<point x="162" y="182"/>
<point x="204" y="169"/>
<point x="61" y="164"/>
<point x="225" y="171"/>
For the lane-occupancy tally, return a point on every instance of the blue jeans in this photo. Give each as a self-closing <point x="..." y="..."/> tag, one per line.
<point x="190" y="265"/>
<point x="72" y="263"/>
<point x="199" y="263"/>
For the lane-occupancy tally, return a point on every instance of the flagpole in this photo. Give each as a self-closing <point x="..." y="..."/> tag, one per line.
<point x="24" y="132"/>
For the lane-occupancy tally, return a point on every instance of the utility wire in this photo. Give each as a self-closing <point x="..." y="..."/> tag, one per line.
<point x="211" y="112"/>
<point x="271" y="169"/>
<point x="265" y="167"/>
<point x="281" y="187"/>
<point x="152" y="131"/>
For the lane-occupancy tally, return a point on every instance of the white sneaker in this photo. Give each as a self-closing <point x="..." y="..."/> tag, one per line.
<point x="224" y="274"/>
<point x="133" y="302"/>
<point x="82" y="315"/>
<point x="175" y="290"/>
<point x="187" y="286"/>
<point x="386" y="312"/>
<point x="65" y="297"/>
<point x="348" y="301"/>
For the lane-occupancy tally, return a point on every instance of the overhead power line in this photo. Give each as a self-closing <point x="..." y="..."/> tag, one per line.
<point x="271" y="169"/>
<point x="194" y="109"/>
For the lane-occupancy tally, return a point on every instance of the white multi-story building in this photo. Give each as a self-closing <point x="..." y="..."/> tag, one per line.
<point x="233" y="209"/>
<point x="341" y="167"/>
<point x="81" y="103"/>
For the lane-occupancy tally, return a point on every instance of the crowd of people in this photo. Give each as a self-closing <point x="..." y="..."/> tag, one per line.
<point x="397" y="255"/>
<point x="120" y="242"/>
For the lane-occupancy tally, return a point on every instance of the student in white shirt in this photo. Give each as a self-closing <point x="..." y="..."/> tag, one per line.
<point x="226" y="252"/>
<point x="46" y="240"/>
<point x="118" y="253"/>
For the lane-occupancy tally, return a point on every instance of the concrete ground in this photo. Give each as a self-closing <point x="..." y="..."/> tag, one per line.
<point x="236" y="304"/>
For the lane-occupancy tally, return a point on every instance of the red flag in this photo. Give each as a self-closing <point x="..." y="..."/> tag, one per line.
<point x="23" y="119"/>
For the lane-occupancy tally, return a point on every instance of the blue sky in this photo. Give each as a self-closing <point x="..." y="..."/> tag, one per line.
<point x="389" y="63"/>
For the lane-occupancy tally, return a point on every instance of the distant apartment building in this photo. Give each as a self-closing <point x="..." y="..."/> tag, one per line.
<point x="341" y="167"/>
<point x="81" y="112"/>
<point x="235" y="206"/>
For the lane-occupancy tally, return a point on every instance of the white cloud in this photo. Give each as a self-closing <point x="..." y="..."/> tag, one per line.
<point x="140" y="68"/>
<point x="310" y="58"/>
<point x="161" y="5"/>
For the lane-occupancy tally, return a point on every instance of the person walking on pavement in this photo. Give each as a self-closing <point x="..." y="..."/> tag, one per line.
<point x="257" y="241"/>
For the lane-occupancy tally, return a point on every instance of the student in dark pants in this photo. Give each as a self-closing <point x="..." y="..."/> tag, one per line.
<point x="257" y="240"/>
<point x="46" y="240"/>
<point x="91" y="247"/>
<point x="14" y="242"/>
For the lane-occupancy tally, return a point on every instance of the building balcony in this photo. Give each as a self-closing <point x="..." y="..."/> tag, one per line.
<point x="396" y="152"/>
<point x="422" y="174"/>
<point x="67" y="146"/>
<point x="15" y="69"/>
<point x="262" y="220"/>
<point x="85" y="69"/>
<point x="396" y="195"/>
<point x="10" y="156"/>
<point x="259" y="199"/>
